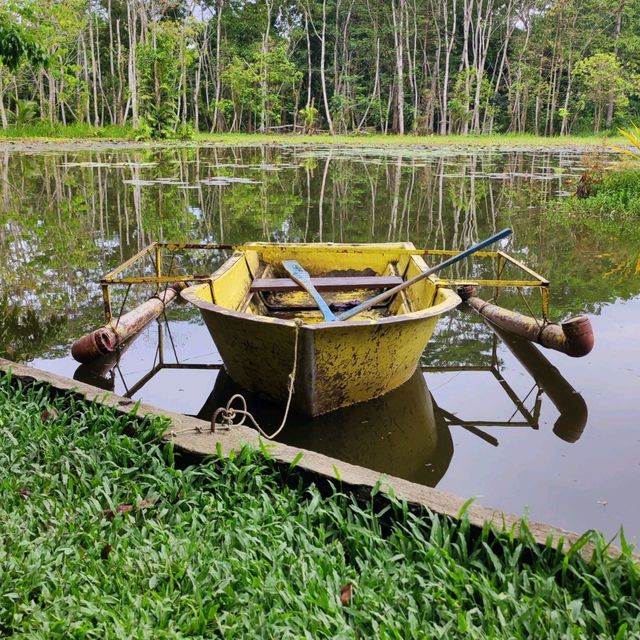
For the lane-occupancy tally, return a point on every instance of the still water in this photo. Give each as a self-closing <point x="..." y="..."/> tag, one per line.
<point x="524" y="430"/>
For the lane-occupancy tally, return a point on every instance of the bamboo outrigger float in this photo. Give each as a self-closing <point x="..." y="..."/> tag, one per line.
<point x="573" y="336"/>
<point x="267" y="327"/>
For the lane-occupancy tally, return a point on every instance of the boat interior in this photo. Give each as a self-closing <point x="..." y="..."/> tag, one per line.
<point x="255" y="282"/>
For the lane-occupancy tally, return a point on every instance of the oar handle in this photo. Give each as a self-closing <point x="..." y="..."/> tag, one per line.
<point x="467" y="252"/>
<point x="421" y="276"/>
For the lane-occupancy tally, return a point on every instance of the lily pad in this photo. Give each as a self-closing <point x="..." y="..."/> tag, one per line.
<point x="140" y="183"/>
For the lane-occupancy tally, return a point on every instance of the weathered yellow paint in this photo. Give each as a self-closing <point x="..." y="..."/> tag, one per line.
<point x="339" y="363"/>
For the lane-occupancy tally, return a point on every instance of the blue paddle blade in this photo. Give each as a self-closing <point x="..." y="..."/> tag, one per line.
<point x="301" y="276"/>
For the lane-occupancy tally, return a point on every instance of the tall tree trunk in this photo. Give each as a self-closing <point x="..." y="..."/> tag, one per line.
<point x="112" y="67"/>
<point x="449" y="42"/>
<point x="411" y="36"/>
<point x="94" y="72"/>
<point x="264" y="72"/>
<point x="132" y="20"/>
<point x="119" y="95"/>
<point x="52" y="97"/>
<point x="397" y="13"/>
<point x="323" y="72"/>
<point x="3" y="113"/>
<point x="464" y="63"/>
<point x="216" y="106"/>
<point x="615" y="53"/>
<point x="510" y="25"/>
<point x="198" y="77"/>
<point x="309" y="66"/>
<point x="563" y="126"/>
<point x="481" y="42"/>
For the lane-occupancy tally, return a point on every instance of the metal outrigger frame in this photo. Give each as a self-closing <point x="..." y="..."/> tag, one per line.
<point x="156" y="253"/>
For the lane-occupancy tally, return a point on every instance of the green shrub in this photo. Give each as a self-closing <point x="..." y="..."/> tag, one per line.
<point x="185" y="131"/>
<point x="611" y="194"/>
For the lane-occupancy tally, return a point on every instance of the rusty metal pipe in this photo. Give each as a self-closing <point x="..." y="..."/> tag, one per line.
<point x="573" y="337"/>
<point x="109" y="337"/>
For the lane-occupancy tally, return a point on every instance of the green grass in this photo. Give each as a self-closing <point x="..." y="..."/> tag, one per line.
<point x="227" y="549"/>
<point x="493" y="140"/>
<point x="45" y="131"/>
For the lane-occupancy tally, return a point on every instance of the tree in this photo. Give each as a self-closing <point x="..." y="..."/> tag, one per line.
<point x="16" y="44"/>
<point x="602" y="79"/>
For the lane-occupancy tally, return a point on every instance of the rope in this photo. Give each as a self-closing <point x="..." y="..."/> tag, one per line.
<point x="231" y="416"/>
<point x="229" y="413"/>
<point x="545" y="321"/>
<point x="126" y="295"/>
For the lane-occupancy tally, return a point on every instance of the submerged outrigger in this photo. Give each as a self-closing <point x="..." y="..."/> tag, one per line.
<point x="273" y="338"/>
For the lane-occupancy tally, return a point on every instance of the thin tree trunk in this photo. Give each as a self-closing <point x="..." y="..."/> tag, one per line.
<point x="52" y="98"/>
<point x="323" y="75"/>
<point x="449" y="42"/>
<point x="264" y="74"/>
<point x="3" y="113"/>
<point x="121" y="112"/>
<point x="376" y="86"/>
<point x="197" y="80"/>
<point x="309" y="66"/>
<point x="481" y="42"/>
<point x="94" y="73"/>
<point x="398" y="39"/>
<point x="112" y="68"/>
<point x="464" y="63"/>
<point x="216" y="106"/>
<point x="133" y="78"/>
<point x="615" y="53"/>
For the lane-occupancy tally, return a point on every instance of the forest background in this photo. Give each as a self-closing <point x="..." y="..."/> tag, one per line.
<point x="167" y="68"/>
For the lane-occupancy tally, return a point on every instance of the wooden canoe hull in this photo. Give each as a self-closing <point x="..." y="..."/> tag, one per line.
<point x="336" y="366"/>
<point x="338" y="363"/>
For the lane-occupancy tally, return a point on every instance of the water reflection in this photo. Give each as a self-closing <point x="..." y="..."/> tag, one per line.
<point x="69" y="217"/>
<point x="405" y="433"/>
<point x="400" y="434"/>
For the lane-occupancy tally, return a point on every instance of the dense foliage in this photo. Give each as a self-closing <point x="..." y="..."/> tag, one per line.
<point x="17" y="45"/>
<point x="462" y="66"/>
<point x="103" y="537"/>
<point x="612" y="195"/>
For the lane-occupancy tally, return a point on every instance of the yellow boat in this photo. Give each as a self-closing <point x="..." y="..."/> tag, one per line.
<point x="266" y="327"/>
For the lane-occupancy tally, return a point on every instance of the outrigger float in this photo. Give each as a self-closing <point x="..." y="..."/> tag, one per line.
<point x="281" y="314"/>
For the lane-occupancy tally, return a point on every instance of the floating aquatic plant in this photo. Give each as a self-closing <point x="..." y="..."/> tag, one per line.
<point x="223" y="181"/>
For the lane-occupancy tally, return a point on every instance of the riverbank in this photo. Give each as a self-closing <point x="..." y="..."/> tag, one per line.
<point x="106" y="535"/>
<point x="80" y="138"/>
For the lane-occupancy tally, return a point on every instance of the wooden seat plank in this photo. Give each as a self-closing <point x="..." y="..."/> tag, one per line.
<point x="327" y="284"/>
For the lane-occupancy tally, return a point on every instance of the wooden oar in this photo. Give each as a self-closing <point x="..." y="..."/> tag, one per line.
<point x="302" y="277"/>
<point x="367" y="304"/>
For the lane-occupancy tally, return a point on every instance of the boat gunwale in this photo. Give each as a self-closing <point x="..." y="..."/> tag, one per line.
<point x="451" y="301"/>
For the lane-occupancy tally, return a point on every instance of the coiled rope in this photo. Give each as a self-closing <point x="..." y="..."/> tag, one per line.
<point x="224" y="418"/>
